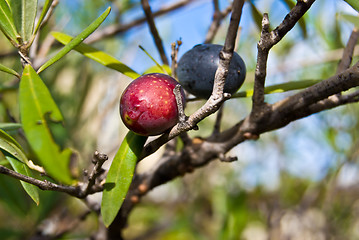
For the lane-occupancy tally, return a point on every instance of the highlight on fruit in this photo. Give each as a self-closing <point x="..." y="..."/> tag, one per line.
<point x="197" y="67"/>
<point x="148" y="105"/>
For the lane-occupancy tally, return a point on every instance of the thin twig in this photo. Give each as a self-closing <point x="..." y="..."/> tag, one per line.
<point x="217" y="124"/>
<point x="99" y="160"/>
<point x="174" y="57"/>
<point x="348" y="51"/>
<point x="49" y="13"/>
<point x="267" y="41"/>
<point x="77" y="191"/>
<point x="226" y="54"/>
<point x="43" y="185"/>
<point x="43" y="51"/>
<point x="218" y="17"/>
<point x="71" y="225"/>
<point x="180" y="107"/>
<point x="156" y="36"/>
<point x="261" y="67"/>
<point x="120" y="28"/>
<point x="333" y="102"/>
<point x="25" y="59"/>
<point x="296" y="106"/>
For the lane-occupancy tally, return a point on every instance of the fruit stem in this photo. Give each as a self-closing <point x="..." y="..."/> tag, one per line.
<point x="181" y="115"/>
<point x="182" y="118"/>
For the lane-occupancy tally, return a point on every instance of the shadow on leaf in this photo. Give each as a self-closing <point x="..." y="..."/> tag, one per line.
<point x="109" y="185"/>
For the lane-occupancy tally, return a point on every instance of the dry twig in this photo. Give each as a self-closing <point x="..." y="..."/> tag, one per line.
<point x="348" y="51"/>
<point x="267" y="41"/>
<point x="77" y="191"/>
<point x="120" y="28"/>
<point x="218" y="17"/>
<point x="156" y="36"/>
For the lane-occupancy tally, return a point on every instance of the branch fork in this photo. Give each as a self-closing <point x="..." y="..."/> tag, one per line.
<point x="217" y="97"/>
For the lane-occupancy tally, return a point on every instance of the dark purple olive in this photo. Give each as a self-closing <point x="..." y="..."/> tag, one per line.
<point x="197" y="67"/>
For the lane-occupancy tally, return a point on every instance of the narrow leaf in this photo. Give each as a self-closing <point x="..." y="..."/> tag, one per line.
<point x="337" y="35"/>
<point x="29" y="10"/>
<point x="8" y="144"/>
<point x="354" y="4"/>
<point x="279" y="88"/>
<point x="10" y="126"/>
<point x="97" y="55"/>
<point x="21" y="168"/>
<point x="24" y="13"/>
<point x="153" y="59"/>
<point x="7" y="25"/>
<point x="120" y="176"/>
<point x="45" y="9"/>
<point x="9" y="70"/>
<point x="18" y="160"/>
<point x="76" y="41"/>
<point x="351" y="18"/>
<point x="156" y="69"/>
<point x="37" y="108"/>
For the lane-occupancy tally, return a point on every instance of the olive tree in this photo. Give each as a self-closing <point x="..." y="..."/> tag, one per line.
<point x="46" y="143"/>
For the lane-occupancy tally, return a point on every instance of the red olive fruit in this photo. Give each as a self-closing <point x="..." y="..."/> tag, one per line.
<point x="148" y="105"/>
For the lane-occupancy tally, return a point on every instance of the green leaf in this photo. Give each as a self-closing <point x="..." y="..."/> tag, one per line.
<point x="24" y="13"/>
<point x="279" y="88"/>
<point x="37" y="108"/>
<point x="10" y="126"/>
<point x="120" y="176"/>
<point x="153" y="59"/>
<point x="8" y="144"/>
<point x="350" y="18"/>
<point x="7" y="25"/>
<point x="76" y="41"/>
<point x="9" y="70"/>
<point x="337" y="35"/>
<point x="354" y="4"/>
<point x="44" y="11"/>
<point x="155" y="69"/>
<point x="18" y="160"/>
<point x="21" y="168"/>
<point x="97" y="55"/>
